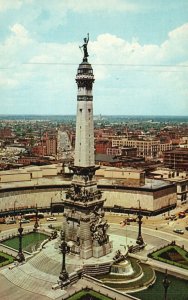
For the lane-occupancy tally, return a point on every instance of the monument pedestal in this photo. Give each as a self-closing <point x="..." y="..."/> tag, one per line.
<point x="99" y="251"/>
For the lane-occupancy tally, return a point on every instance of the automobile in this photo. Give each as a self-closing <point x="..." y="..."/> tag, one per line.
<point x="51" y="226"/>
<point x="171" y="217"/>
<point x="2" y="220"/>
<point x="51" y="219"/>
<point x="130" y="219"/>
<point x="11" y="221"/>
<point x="181" y="214"/>
<point x="180" y="231"/>
<point x="24" y="221"/>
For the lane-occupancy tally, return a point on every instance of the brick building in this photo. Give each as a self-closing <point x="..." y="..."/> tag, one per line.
<point x="101" y="145"/>
<point x="5" y="132"/>
<point x="47" y="145"/>
<point x="176" y="159"/>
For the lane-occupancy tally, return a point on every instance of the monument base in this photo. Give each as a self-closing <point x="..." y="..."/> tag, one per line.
<point x="99" y="251"/>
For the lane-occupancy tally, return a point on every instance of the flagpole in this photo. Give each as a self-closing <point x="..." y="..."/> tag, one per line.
<point x="126" y="234"/>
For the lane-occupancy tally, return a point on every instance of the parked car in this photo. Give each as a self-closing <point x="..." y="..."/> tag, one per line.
<point x="180" y="231"/>
<point x="11" y="221"/>
<point x="171" y="217"/>
<point x="181" y="214"/>
<point x="2" y="220"/>
<point x="51" y="219"/>
<point x="24" y="221"/>
<point x="51" y="226"/>
<point x="131" y="219"/>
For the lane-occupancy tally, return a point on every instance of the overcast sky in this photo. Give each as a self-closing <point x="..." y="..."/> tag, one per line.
<point x="138" y="50"/>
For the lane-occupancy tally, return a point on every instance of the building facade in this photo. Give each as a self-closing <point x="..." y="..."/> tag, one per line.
<point x="148" y="148"/>
<point x="176" y="159"/>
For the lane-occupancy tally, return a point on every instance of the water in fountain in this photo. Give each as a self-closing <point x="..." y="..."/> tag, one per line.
<point x="123" y="268"/>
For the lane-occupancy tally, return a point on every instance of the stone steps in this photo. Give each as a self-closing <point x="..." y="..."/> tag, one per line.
<point x="32" y="271"/>
<point x="93" y="270"/>
<point x="30" y="283"/>
<point x="45" y="264"/>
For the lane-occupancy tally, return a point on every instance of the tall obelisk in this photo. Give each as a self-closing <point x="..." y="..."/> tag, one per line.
<point x="84" y="224"/>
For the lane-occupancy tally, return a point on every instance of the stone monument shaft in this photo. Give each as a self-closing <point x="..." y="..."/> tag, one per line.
<point x="84" y="146"/>
<point x="84" y="224"/>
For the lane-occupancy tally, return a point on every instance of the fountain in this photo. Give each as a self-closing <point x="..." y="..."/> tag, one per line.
<point x="123" y="268"/>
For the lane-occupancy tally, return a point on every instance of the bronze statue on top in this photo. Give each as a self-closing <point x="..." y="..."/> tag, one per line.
<point x="84" y="46"/>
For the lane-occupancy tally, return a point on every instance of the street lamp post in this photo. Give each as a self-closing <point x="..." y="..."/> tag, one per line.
<point x="15" y="209"/>
<point x="20" y="256"/>
<point x="166" y="284"/>
<point x="51" y="207"/>
<point x="36" y="225"/>
<point x="64" y="276"/>
<point x="168" y="207"/>
<point x="139" y="240"/>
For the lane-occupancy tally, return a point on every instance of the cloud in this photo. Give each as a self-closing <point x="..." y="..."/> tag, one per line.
<point x="9" y="4"/>
<point x="124" y="69"/>
<point x="152" y="76"/>
<point x="44" y="16"/>
<point x="102" y="5"/>
<point x="80" y="6"/>
<point x="175" y="47"/>
<point x="7" y="82"/>
<point x="110" y="49"/>
<point x="19" y="30"/>
<point x="16" y="47"/>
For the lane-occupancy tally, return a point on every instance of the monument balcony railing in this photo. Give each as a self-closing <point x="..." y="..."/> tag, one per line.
<point x="84" y="76"/>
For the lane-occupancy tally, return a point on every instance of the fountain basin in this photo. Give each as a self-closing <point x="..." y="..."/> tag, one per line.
<point x="123" y="268"/>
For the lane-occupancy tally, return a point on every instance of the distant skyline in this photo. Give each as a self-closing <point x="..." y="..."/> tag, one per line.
<point x="138" y="50"/>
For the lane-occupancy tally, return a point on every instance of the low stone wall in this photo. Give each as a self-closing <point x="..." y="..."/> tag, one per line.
<point x="180" y="273"/>
<point x="29" y="196"/>
<point x="161" y="267"/>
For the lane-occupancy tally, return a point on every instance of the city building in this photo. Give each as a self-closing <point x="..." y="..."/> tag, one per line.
<point x="50" y="142"/>
<point x="126" y="176"/>
<point x="102" y="146"/>
<point x="148" y="148"/>
<point x="46" y="146"/>
<point x="155" y="196"/>
<point x="6" y="132"/>
<point x="180" y="179"/>
<point x="107" y="160"/>
<point x="176" y="159"/>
